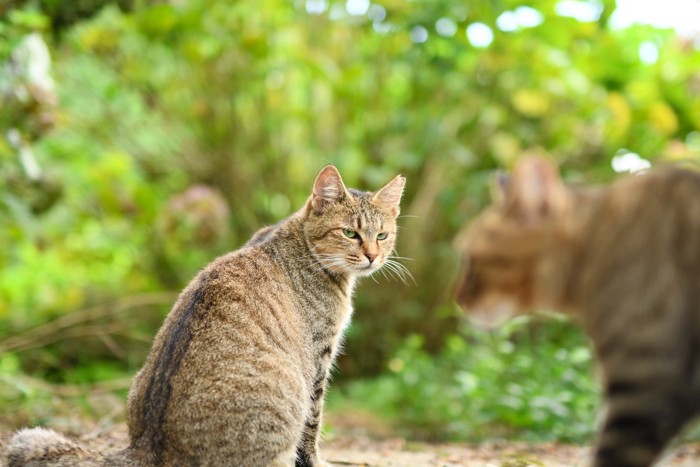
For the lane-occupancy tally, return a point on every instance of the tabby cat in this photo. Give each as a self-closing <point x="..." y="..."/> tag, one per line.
<point x="624" y="261"/>
<point x="237" y="373"/>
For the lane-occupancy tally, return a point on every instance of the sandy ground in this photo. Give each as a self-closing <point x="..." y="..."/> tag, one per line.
<point x="402" y="453"/>
<point x="341" y="450"/>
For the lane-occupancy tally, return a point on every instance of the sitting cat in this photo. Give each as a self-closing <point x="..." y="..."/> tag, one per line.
<point x="238" y="371"/>
<point x="624" y="261"/>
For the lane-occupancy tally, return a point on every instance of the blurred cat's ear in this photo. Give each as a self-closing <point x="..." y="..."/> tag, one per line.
<point x="535" y="191"/>
<point x="389" y="196"/>
<point x="328" y="189"/>
<point x="499" y="187"/>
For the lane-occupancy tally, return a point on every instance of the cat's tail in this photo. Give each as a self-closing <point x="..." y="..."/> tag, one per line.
<point x="33" y="447"/>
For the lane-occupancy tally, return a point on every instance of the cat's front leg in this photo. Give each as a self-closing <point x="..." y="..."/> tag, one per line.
<point x="307" y="450"/>
<point x="640" y="420"/>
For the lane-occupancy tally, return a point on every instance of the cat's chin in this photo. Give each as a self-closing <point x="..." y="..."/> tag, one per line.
<point x="365" y="271"/>
<point x="493" y="316"/>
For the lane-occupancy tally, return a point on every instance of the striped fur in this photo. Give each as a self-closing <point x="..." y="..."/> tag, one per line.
<point x="624" y="261"/>
<point x="238" y="371"/>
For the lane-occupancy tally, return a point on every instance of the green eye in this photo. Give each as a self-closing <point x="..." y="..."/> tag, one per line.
<point x="382" y="236"/>
<point x="350" y="233"/>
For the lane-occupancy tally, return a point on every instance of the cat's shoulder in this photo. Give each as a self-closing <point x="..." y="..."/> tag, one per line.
<point x="236" y="262"/>
<point x="261" y="236"/>
<point x="666" y="178"/>
<point x="667" y="173"/>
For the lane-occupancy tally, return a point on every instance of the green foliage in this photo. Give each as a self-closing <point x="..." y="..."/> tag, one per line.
<point x="530" y="380"/>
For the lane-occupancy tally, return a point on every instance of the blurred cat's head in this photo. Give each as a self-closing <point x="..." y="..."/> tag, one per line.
<point x="351" y="231"/>
<point x="507" y="250"/>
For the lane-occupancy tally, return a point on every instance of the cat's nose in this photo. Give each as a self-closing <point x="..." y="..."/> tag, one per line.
<point x="371" y="257"/>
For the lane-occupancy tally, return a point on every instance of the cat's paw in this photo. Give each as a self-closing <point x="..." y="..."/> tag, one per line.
<point x="316" y="461"/>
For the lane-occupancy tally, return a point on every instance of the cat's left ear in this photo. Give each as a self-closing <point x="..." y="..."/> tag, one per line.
<point x="389" y="195"/>
<point x="328" y="189"/>
<point x="499" y="187"/>
<point x="535" y="191"/>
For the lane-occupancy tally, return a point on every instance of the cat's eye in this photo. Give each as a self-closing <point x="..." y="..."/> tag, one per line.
<point x="349" y="233"/>
<point x="382" y="236"/>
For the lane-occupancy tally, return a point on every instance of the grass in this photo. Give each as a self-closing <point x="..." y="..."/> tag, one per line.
<point x="530" y="381"/>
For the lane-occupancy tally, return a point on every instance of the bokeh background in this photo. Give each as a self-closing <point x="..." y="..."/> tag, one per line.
<point x="141" y="138"/>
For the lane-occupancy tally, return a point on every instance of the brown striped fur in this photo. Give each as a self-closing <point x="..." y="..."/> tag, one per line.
<point x="624" y="261"/>
<point x="237" y="373"/>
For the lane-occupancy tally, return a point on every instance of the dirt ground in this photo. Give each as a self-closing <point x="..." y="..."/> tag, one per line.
<point x="502" y="454"/>
<point x="342" y="450"/>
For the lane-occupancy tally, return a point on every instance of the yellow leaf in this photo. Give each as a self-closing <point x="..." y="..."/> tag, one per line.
<point x="505" y="148"/>
<point x="663" y="118"/>
<point x="621" y="114"/>
<point x="531" y="103"/>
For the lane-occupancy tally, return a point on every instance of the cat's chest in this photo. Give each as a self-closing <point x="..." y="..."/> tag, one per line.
<point x="345" y="307"/>
<point x="331" y="306"/>
<point x="331" y="320"/>
<point x="345" y="316"/>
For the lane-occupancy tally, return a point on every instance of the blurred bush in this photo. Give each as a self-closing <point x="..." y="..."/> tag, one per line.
<point x="520" y="382"/>
<point x="177" y="129"/>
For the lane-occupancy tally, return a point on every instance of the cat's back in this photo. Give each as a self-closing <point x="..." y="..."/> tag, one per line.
<point x="232" y="341"/>
<point x="654" y="208"/>
<point x="241" y="301"/>
<point x="231" y="289"/>
<point x="668" y="187"/>
<point x="643" y="243"/>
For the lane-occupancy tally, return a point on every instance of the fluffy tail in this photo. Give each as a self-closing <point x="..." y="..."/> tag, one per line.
<point x="42" y="447"/>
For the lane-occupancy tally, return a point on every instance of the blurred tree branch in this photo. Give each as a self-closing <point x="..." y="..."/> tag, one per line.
<point x="99" y="321"/>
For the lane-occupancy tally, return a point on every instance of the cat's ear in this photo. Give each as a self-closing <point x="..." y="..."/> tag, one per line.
<point x="328" y="189"/>
<point x="535" y="192"/>
<point x="389" y="195"/>
<point x="499" y="187"/>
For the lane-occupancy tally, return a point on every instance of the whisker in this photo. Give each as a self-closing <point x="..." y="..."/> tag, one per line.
<point x="327" y="261"/>
<point x="397" y="273"/>
<point x="381" y="270"/>
<point x="333" y="267"/>
<point x="401" y="270"/>
<point x="390" y="268"/>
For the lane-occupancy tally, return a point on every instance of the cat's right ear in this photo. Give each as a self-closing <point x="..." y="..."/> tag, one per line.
<point x="535" y="191"/>
<point x="390" y="194"/>
<point x="328" y="189"/>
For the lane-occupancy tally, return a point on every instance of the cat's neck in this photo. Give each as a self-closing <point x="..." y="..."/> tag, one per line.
<point x="288" y="245"/>
<point x="562" y="270"/>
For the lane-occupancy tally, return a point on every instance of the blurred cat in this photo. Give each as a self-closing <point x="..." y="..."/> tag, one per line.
<point x="238" y="371"/>
<point x="624" y="261"/>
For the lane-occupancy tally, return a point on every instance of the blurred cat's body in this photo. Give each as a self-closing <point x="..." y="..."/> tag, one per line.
<point x="624" y="261"/>
<point x="237" y="373"/>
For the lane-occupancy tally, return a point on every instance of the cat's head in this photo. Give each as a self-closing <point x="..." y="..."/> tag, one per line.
<point x="508" y="249"/>
<point x="351" y="231"/>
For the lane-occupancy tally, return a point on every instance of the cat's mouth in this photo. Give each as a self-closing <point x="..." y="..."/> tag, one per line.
<point x="367" y="269"/>
<point x="492" y="314"/>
